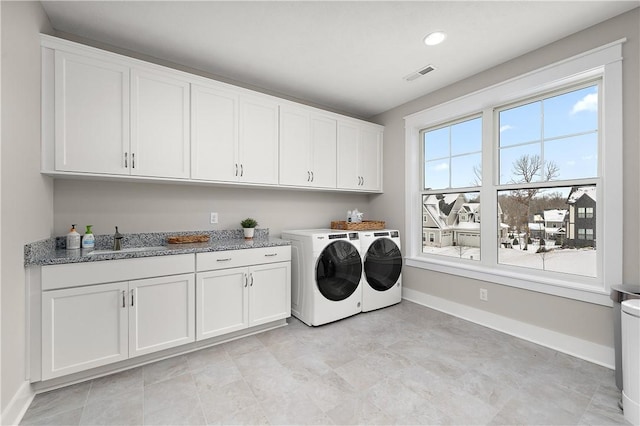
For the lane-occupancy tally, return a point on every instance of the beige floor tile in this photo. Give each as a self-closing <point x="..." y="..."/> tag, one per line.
<point x="405" y="364"/>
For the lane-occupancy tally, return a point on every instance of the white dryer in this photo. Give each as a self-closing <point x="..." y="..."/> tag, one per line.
<point x="326" y="275"/>
<point x="382" y="262"/>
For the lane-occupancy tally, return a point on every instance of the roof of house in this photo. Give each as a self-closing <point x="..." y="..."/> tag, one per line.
<point x="577" y="193"/>
<point x="554" y="215"/>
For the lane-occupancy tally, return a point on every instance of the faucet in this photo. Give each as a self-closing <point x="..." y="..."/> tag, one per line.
<point x="117" y="237"/>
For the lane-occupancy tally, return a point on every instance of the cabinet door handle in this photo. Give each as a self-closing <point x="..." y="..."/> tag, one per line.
<point x="226" y="259"/>
<point x="308" y="176"/>
<point x="311" y="176"/>
<point x="251" y="275"/>
<point x="124" y="303"/>
<point x="132" y="292"/>
<point x="270" y="254"/>
<point x="133" y="160"/>
<point x="126" y="164"/>
<point x="241" y="170"/>
<point x="362" y="180"/>
<point x="236" y="169"/>
<point x="246" y="280"/>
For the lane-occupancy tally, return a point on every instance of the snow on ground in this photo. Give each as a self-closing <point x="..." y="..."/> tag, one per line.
<point x="570" y="261"/>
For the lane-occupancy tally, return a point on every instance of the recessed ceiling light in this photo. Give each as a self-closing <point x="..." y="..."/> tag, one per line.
<point x="434" y="38"/>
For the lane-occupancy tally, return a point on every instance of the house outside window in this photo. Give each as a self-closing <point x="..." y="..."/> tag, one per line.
<point x="537" y="176"/>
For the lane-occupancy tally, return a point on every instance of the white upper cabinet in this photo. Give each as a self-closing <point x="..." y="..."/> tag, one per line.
<point x="370" y="158"/>
<point x="106" y="115"/>
<point x="359" y="156"/>
<point x="234" y="136"/>
<point x="214" y="134"/>
<point x="307" y="148"/>
<point x="159" y="125"/>
<point x="258" y="146"/>
<point x="114" y="119"/>
<point x="91" y="114"/>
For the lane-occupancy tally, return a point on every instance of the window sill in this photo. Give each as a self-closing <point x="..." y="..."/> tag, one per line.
<point x="556" y="287"/>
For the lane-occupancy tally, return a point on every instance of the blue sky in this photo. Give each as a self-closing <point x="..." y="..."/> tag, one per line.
<point x="562" y="129"/>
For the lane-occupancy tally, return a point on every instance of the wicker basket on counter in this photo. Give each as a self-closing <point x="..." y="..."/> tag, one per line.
<point x="365" y="225"/>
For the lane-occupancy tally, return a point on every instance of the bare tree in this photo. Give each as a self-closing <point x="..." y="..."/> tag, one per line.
<point x="525" y="170"/>
<point x="477" y="175"/>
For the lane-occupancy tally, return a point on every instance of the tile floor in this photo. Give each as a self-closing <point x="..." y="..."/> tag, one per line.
<point x="405" y="364"/>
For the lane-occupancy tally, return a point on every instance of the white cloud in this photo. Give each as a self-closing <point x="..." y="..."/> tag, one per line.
<point x="571" y="163"/>
<point x="442" y="166"/>
<point x="588" y="103"/>
<point x="506" y="127"/>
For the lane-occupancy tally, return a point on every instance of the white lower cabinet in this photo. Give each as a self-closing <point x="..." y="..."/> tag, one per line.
<point x="231" y="296"/>
<point x="90" y="326"/>
<point x="161" y="313"/>
<point x="92" y="314"/>
<point x="222" y="302"/>
<point x="82" y="328"/>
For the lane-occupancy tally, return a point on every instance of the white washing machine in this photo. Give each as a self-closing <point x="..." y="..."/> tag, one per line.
<point x="326" y="275"/>
<point x="382" y="262"/>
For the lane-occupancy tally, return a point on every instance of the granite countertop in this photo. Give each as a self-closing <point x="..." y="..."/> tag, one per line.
<point x="52" y="251"/>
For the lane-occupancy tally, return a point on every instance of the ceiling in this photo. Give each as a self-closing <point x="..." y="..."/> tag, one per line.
<point x="348" y="56"/>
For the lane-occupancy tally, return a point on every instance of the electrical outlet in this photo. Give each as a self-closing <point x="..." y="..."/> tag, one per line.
<point x="214" y="217"/>
<point x="484" y="294"/>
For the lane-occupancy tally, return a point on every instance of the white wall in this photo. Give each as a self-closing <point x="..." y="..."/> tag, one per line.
<point x="585" y="321"/>
<point x="147" y="207"/>
<point x="27" y="197"/>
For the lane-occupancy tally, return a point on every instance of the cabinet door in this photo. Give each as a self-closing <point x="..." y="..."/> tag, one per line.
<point x="161" y="313"/>
<point x="348" y="173"/>
<point x="258" y="148"/>
<point x="91" y="115"/>
<point x="214" y="134"/>
<point x="295" y="149"/>
<point x="82" y="328"/>
<point x="222" y="302"/>
<point x="269" y="292"/>
<point x="159" y="125"/>
<point x="370" y="154"/>
<point x="323" y="152"/>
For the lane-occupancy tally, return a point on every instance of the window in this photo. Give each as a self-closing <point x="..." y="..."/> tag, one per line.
<point x="526" y="155"/>
<point x="452" y="156"/>
<point x="585" y="212"/>
<point x="551" y="138"/>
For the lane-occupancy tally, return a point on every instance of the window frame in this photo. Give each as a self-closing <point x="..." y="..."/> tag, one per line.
<point x="604" y="63"/>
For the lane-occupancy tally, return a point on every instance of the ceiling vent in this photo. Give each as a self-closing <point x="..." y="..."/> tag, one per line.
<point x="420" y="73"/>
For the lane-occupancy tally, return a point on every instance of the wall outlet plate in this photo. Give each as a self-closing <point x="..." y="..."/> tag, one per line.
<point x="484" y="294"/>
<point x="214" y="218"/>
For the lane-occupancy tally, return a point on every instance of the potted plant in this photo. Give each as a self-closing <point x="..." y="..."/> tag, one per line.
<point x="249" y="226"/>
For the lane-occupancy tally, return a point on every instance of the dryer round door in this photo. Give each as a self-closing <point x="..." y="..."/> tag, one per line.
<point x="382" y="264"/>
<point x="339" y="270"/>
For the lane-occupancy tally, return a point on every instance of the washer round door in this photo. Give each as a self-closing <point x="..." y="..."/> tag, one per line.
<point x="382" y="264"/>
<point x="339" y="270"/>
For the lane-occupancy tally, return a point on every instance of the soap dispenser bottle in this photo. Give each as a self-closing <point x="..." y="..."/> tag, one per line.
<point x="73" y="239"/>
<point x="88" y="240"/>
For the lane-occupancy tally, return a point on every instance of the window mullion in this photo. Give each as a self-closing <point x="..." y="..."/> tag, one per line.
<point x="488" y="194"/>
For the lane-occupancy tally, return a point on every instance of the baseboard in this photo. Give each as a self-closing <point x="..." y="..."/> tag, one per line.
<point x="14" y="411"/>
<point x="570" y="345"/>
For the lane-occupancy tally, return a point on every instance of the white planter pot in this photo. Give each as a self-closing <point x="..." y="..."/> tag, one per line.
<point x="248" y="233"/>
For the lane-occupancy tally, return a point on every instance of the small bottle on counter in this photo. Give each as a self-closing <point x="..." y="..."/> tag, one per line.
<point x="88" y="240"/>
<point x="73" y="239"/>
